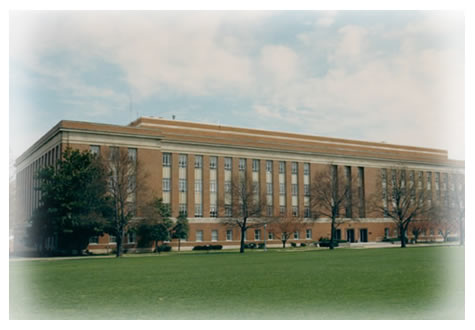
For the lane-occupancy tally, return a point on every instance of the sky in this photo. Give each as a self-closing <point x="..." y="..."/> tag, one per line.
<point x="392" y="76"/>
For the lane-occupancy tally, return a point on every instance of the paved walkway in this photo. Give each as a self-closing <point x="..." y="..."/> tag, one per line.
<point x="369" y="245"/>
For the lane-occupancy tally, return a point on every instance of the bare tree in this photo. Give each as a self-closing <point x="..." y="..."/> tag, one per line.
<point x="417" y="228"/>
<point x="286" y="226"/>
<point x="126" y="179"/>
<point x="456" y="204"/>
<point x="400" y="199"/>
<point x="440" y="217"/>
<point x="331" y="193"/>
<point x="247" y="206"/>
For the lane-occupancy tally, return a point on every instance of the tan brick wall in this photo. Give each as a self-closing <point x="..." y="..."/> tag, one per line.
<point x="150" y="161"/>
<point x="372" y="178"/>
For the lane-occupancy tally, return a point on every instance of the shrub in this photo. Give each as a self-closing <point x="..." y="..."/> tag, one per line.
<point x="164" y="248"/>
<point x="293" y="244"/>
<point x="207" y="247"/>
<point x="250" y="246"/>
<point x="303" y="244"/>
<point x="261" y="246"/>
<point x="327" y="243"/>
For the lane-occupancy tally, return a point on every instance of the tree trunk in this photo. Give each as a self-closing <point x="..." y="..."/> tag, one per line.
<point x="156" y="247"/>
<point x="179" y="241"/>
<point x="461" y="233"/>
<point x="283" y="244"/>
<point x="332" y="235"/>
<point x="118" y="250"/>
<point x="402" y="232"/>
<point x="243" y="231"/>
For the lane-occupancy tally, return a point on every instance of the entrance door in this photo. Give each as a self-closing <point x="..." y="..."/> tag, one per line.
<point x="350" y="235"/>
<point x="363" y="235"/>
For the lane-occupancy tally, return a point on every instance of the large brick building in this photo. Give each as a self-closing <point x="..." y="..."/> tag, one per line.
<point x="190" y="166"/>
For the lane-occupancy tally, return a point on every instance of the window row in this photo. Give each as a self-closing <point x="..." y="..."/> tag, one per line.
<point x="182" y="162"/>
<point x="258" y="235"/>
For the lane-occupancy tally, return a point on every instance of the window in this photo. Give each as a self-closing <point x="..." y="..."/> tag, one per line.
<point x="212" y="186"/>
<point x="166" y="184"/>
<point x="94" y="240"/>
<point x="228" y="163"/>
<point x="294" y="189"/>
<point x="167" y="161"/>
<point x="182" y="185"/>
<point x="198" y="211"/>
<point x="112" y="239"/>
<point x="198" y="161"/>
<point x="214" y="235"/>
<point x="198" y="186"/>
<point x="306" y="169"/>
<point x="199" y="236"/>
<point x="269" y="166"/>
<point x="228" y="211"/>
<point x="295" y="211"/>
<point x="257" y="235"/>
<point x="307" y="212"/>
<point x="227" y="186"/>
<point x="242" y="164"/>
<point x="182" y="209"/>
<point x="255" y="165"/>
<point x="282" y="188"/>
<point x="296" y="235"/>
<point x="131" y="237"/>
<point x="429" y="180"/>
<point x="419" y="180"/>
<point x="294" y="168"/>
<point x="269" y="188"/>
<point x="132" y="152"/>
<point x="337" y="234"/>
<point x="437" y="181"/>
<point x="114" y="153"/>
<point x="95" y="150"/>
<point x="281" y="167"/>
<point x="270" y="235"/>
<point x="306" y="189"/>
<point x="269" y="210"/>
<point x="182" y="161"/>
<point x="213" y="212"/>
<point x="229" y="235"/>
<point x="213" y="162"/>
<point x="308" y="234"/>
<point x="282" y="210"/>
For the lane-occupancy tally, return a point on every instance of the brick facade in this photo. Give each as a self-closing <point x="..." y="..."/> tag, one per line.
<point x="152" y="137"/>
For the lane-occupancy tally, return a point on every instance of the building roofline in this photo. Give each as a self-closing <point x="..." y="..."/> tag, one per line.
<point x="273" y="133"/>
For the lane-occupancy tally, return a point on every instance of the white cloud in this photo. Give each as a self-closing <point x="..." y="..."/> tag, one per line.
<point x="327" y="18"/>
<point x="409" y="95"/>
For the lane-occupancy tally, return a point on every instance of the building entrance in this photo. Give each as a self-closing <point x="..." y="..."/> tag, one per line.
<point x="363" y="235"/>
<point x="350" y="235"/>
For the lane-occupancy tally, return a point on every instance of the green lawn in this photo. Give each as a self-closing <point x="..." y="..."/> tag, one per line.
<point x="411" y="283"/>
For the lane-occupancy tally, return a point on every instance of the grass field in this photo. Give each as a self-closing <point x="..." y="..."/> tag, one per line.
<point x="412" y="283"/>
